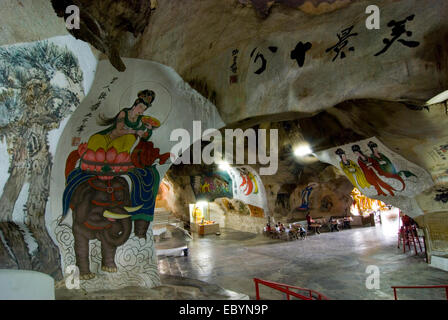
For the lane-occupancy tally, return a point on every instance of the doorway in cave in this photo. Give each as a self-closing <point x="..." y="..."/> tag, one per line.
<point x="374" y="212"/>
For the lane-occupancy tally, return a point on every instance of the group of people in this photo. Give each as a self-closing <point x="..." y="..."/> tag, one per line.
<point x="293" y="231"/>
<point x="333" y="223"/>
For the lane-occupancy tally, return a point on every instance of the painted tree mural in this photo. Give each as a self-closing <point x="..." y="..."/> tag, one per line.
<point x="40" y="84"/>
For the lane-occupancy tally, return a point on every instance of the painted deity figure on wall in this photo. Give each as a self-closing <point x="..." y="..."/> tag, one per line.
<point x="306" y="197"/>
<point x="248" y="184"/>
<point x="103" y="203"/>
<point x="372" y="171"/>
<point x="352" y="170"/>
<point x="117" y="140"/>
<point x="384" y="162"/>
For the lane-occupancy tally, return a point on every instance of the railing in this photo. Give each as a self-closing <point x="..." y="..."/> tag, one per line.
<point x="419" y="287"/>
<point x="286" y="289"/>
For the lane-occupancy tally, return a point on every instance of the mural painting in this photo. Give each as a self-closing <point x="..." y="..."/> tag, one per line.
<point x="306" y="197"/>
<point x="118" y="165"/>
<point x="104" y="205"/>
<point x="249" y="184"/>
<point x="436" y="159"/>
<point x="211" y="186"/>
<point x="256" y="211"/>
<point x="41" y="83"/>
<point x="380" y="173"/>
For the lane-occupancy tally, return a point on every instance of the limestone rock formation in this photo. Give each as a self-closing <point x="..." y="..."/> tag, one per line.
<point x="103" y="24"/>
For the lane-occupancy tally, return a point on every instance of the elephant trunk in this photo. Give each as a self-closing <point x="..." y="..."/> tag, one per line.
<point x="118" y="240"/>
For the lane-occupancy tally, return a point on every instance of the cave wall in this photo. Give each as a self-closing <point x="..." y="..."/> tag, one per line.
<point x="328" y="198"/>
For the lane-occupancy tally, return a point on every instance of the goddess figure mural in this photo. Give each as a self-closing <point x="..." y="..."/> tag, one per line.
<point x="352" y="170"/>
<point x="102" y="202"/>
<point x="126" y="126"/>
<point x="375" y="171"/>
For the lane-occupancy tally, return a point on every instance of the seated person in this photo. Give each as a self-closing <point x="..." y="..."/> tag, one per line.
<point x="347" y="221"/>
<point x="310" y="222"/>
<point x="302" y="231"/>
<point x="282" y="227"/>
<point x="333" y="224"/>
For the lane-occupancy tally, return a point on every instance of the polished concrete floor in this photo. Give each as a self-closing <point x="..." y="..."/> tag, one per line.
<point x="332" y="263"/>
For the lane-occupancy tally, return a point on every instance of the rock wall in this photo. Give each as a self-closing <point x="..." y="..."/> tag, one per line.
<point x="237" y="219"/>
<point x="260" y="67"/>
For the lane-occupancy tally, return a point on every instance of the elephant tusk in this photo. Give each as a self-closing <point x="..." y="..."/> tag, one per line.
<point x="133" y="209"/>
<point x="109" y="214"/>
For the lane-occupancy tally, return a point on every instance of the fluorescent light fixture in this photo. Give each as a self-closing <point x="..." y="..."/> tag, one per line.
<point x="438" y="98"/>
<point x="302" y="150"/>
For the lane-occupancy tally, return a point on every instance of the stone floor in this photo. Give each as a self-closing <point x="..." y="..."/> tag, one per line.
<point x="331" y="263"/>
<point x="172" y="288"/>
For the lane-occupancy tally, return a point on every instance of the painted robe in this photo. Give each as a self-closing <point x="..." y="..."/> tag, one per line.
<point x="354" y="174"/>
<point x="371" y="176"/>
<point x="387" y="166"/>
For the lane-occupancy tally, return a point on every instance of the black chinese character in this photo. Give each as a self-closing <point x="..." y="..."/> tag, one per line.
<point x="263" y="62"/>
<point x="95" y="106"/>
<point x="80" y="129"/>
<point x="338" y="48"/>
<point x="299" y="51"/>
<point x="102" y="96"/>
<point x="398" y="29"/>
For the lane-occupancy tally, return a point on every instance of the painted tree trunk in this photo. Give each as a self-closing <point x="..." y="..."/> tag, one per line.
<point x="16" y="243"/>
<point x="11" y="231"/>
<point x="46" y="258"/>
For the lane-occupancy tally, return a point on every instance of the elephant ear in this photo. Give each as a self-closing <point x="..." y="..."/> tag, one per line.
<point x="70" y="164"/>
<point x="74" y="179"/>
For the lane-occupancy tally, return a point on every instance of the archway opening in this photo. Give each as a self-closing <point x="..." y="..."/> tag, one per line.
<point x="367" y="211"/>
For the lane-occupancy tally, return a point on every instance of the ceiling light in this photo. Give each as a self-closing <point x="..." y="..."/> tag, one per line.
<point x="438" y="98"/>
<point x="302" y="151"/>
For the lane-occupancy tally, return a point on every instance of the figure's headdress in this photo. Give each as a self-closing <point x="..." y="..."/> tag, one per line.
<point x="356" y="148"/>
<point x="146" y="97"/>
<point x="339" y="152"/>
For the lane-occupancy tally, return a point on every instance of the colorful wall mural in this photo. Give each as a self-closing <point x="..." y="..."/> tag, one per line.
<point x="102" y="201"/>
<point x="380" y="173"/>
<point x="248" y="187"/>
<point x="306" y="193"/>
<point x="41" y="84"/>
<point x="212" y="185"/>
<point x="235" y="182"/>
<point x="109" y="163"/>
